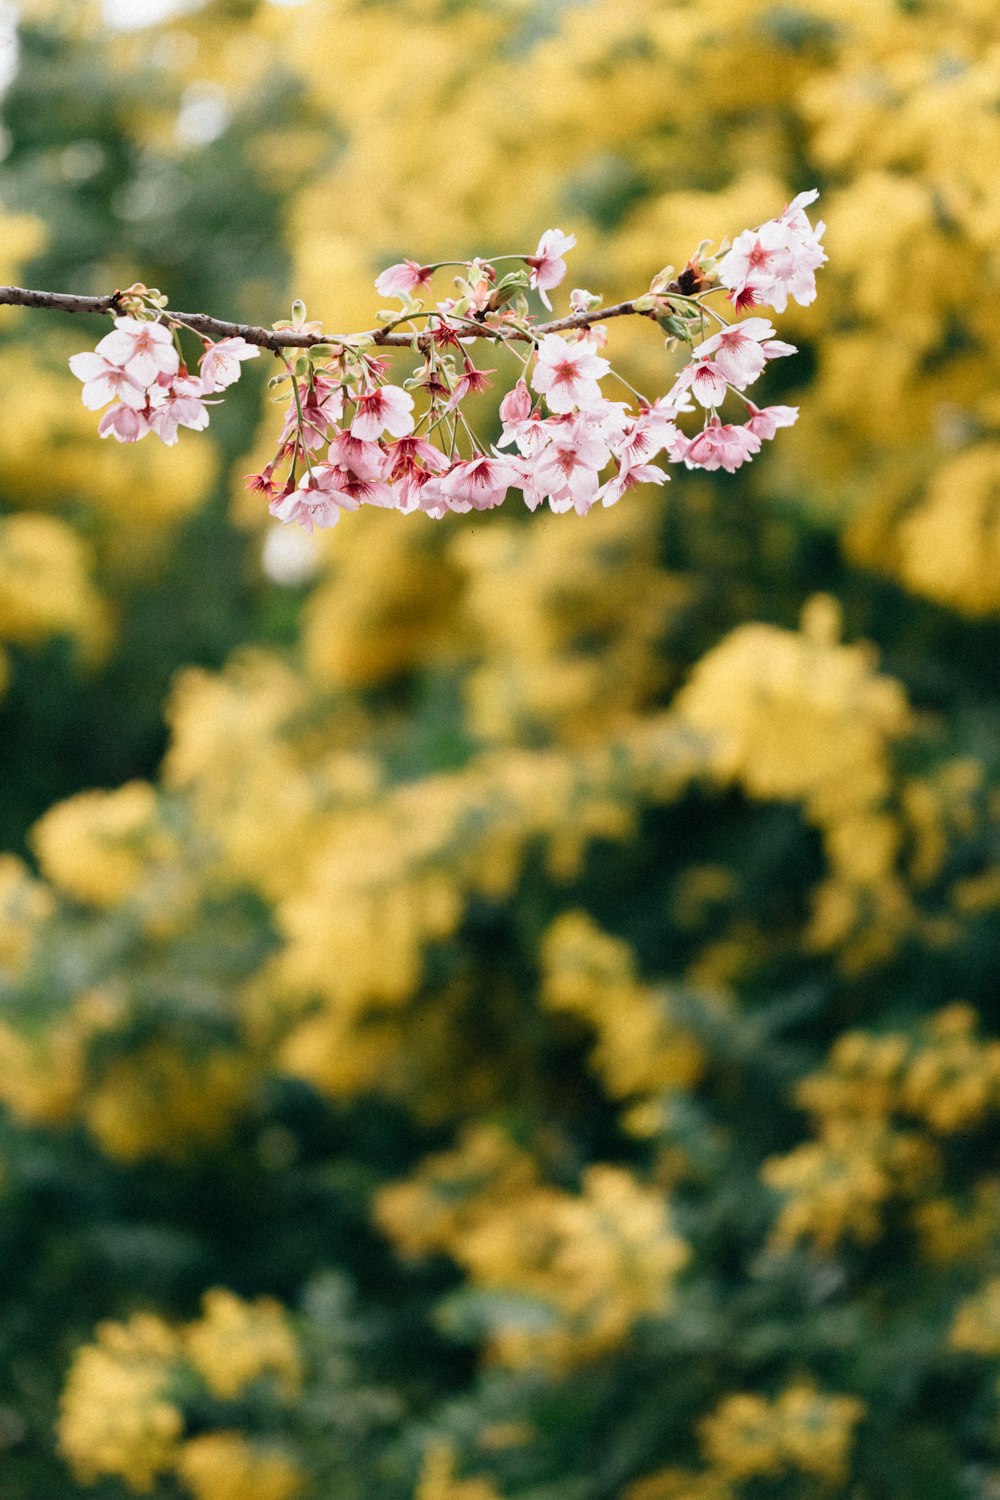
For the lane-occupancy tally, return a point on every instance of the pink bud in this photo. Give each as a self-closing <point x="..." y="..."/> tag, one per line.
<point x="516" y="405"/>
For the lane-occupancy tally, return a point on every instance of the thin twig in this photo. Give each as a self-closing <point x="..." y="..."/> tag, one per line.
<point x="270" y="338"/>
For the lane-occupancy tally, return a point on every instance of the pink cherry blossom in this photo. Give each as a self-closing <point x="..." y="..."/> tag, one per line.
<point x="721" y="446"/>
<point x="758" y="267"/>
<point x="408" y="493"/>
<point x="525" y="480"/>
<point x="737" y="351"/>
<point x="322" y="407"/>
<point x="365" y="491"/>
<point x="610" y="420"/>
<point x="403" y="278"/>
<point x="571" y="463"/>
<point x="262" y="483"/>
<point x="650" y="433"/>
<point x="123" y="423"/>
<point x="672" y="404"/>
<point x="764" y="422"/>
<point x="515" y="407"/>
<point x="410" y="464"/>
<point x="566" y="435"/>
<point x="567" y="374"/>
<point x="469" y="382"/>
<point x="366" y="460"/>
<point x="387" y="408"/>
<point x="427" y="495"/>
<point x="356" y="469"/>
<point x="807" y="252"/>
<point x="478" y="484"/>
<point x="104" y="381"/>
<point x="677" y="449"/>
<point x="450" y="331"/>
<point x="521" y="425"/>
<point x="778" y="260"/>
<point x="547" y="266"/>
<point x="408" y="454"/>
<point x="627" y="478"/>
<point x="144" y="350"/>
<point x="220" y="364"/>
<point x="706" y="381"/>
<point x="319" y="500"/>
<point x="179" y="404"/>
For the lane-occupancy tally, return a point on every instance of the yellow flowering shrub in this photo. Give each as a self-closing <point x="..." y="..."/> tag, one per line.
<point x="837" y="1186"/>
<point x="24" y="905"/>
<point x="680" y="1484"/>
<point x="45" y="588"/>
<point x="96" y="847"/>
<point x="259" y="775"/>
<point x="400" y="871"/>
<point x="564" y="622"/>
<point x="554" y="823"/>
<point x="384" y="607"/>
<point x="956" y="1230"/>
<point x="802" y="717"/>
<point x="593" y="1263"/>
<point x="123" y="1409"/>
<point x="799" y="716"/>
<point x="803" y="1431"/>
<point x="953" y="1081"/>
<point x="949" y="544"/>
<point x="592" y="975"/>
<point x="22" y="236"/>
<point x="235" y="1342"/>
<point x="116" y="1414"/>
<point x="224" y="1466"/>
<point x="438" y="1480"/>
<point x="159" y="1101"/>
<point x="42" y="1076"/>
<point x="977" y="1323"/>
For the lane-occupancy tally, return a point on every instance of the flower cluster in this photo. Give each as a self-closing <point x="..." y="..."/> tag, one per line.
<point x="593" y="1262"/>
<point x="138" y="369"/>
<point x="803" y="1430"/>
<point x="352" y="436"/>
<point x="125" y="1409"/>
<point x="779" y="260"/>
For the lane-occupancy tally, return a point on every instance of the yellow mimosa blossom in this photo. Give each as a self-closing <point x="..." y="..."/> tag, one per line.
<point x="977" y="1322"/>
<point x="158" y="1101"/>
<point x="96" y="846"/>
<point x="438" y="1480"/>
<point x="225" y="1466"/>
<point x="234" y="1342"/>
<point x="803" y="1431"/>
<point x="116" y="1418"/>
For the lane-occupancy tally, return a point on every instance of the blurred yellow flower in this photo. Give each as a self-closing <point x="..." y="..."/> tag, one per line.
<point x="225" y="1466"/>
<point x="115" y="1417"/>
<point x="234" y="1342"/>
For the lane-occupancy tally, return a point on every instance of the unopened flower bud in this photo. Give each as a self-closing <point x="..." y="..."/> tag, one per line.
<point x="580" y="300"/>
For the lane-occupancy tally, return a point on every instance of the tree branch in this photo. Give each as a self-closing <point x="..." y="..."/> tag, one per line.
<point x="270" y="338"/>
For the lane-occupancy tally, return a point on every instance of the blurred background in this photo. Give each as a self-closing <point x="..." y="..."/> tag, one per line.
<point x="504" y="1007"/>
